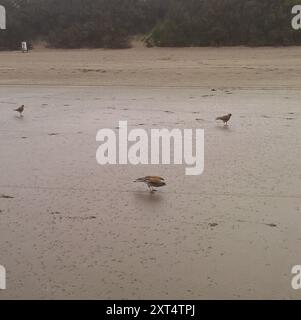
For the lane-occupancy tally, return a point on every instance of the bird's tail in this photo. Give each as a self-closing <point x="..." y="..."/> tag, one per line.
<point x="218" y="118"/>
<point x="139" y="180"/>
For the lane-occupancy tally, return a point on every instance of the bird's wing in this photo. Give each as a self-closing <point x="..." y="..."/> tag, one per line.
<point x="224" y="118"/>
<point x="155" y="177"/>
<point x="155" y="180"/>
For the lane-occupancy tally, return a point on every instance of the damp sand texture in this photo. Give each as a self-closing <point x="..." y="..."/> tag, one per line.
<point x="72" y="229"/>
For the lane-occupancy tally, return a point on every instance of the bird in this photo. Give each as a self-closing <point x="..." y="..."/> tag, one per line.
<point x="20" y="109"/>
<point x="225" y="118"/>
<point x="152" y="182"/>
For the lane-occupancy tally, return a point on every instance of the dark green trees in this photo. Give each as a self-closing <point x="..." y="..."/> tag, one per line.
<point x="226" y="23"/>
<point x="111" y="23"/>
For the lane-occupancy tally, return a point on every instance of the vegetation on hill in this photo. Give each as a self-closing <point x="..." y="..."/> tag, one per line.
<point x="111" y="23"/>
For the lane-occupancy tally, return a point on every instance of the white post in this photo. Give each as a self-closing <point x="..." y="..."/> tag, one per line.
<point x="24" y="47"/>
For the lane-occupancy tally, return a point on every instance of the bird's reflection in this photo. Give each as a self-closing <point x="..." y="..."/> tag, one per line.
<point x="148" y="197"/>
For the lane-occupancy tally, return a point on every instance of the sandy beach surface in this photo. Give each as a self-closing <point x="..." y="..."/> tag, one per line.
<point x="72" y="229"/>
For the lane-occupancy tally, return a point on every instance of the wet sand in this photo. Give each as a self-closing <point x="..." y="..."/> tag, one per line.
<point x="75" y="229"/>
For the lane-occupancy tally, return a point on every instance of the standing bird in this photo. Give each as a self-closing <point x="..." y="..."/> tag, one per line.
<point x="225" y="118"/>
<point x="20" y="109"/>
<point x="152" y="182"/>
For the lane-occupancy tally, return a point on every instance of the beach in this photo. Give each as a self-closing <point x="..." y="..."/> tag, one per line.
<point x="72" y="229"/>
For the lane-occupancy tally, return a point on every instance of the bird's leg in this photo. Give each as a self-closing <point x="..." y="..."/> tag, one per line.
<point x="152" y="190"/>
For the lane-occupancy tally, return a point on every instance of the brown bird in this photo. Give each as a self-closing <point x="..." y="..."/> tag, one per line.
<point x="152" y="182"/>
<point x="225" y="118"/>
<point x="20" y="109"/>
